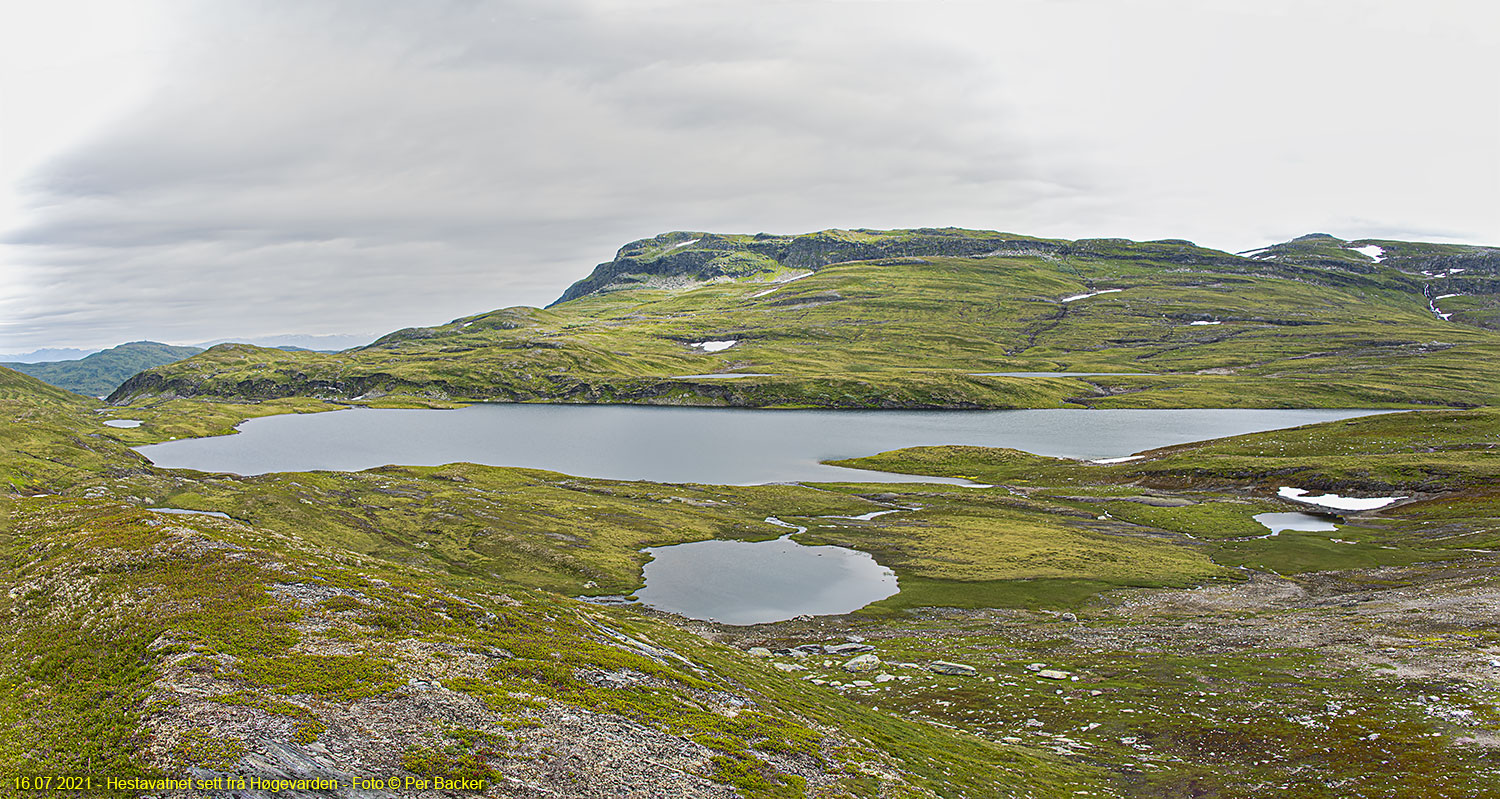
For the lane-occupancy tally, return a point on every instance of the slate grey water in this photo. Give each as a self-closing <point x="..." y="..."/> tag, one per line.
<point x="726" y="446"/>
<point x="1295" y="521"/>
<point x="732" y="582"/>
<point x="743" y="582"/>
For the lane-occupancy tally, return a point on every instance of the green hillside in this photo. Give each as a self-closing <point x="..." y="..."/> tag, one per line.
<point x="98" y="374"/>
<point x="419" y="622"/>
<point x="910" y="319"/>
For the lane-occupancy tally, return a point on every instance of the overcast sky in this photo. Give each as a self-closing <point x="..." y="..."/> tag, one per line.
<point x="183" y="171"/>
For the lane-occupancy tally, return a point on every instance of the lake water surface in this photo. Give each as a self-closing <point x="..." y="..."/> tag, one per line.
<point x="726" y="446"/>
<point x="754" y="582"/>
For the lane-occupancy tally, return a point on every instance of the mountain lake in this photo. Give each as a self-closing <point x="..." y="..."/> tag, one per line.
<point x="732" y="582"/>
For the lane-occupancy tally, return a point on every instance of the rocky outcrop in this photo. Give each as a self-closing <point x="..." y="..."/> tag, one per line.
<point x="686" y="258"/>
<point x="680" y="259"/>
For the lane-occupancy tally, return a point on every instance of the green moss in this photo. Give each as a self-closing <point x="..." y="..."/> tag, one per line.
<point x="206" y="750"/>
<point x="328" y="676"/>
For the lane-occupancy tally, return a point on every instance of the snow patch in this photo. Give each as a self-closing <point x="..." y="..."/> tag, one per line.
<point x="1252" y="253"/>
<point x="1204" y="322"/>
<point x="781" y="281"/>
<point x="1335" y="501"/>
<point x="126" y="423"/>
<point x="866" y="517"/>
<point x="1445" y="296"/>
<point x="714" y="346"/>
<point x="1090" y="294"/>
<point x="1376" y="254"/>
<point x="682" y="244"/>
<point x="1126" y="459"/>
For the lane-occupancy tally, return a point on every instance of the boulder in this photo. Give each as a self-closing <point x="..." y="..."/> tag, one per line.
<point x="865" y="662"/>
<point x="1053" y="674"/>
<point x="848" y="649"/>
<point x="959" y="669"/>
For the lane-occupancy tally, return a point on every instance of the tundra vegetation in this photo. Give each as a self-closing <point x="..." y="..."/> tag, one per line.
<point x="1123" y="629"/>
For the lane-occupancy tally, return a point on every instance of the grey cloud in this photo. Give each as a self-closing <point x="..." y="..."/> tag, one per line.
<point x="362" y="166"/>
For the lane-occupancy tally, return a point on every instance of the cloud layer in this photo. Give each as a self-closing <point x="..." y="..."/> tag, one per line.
<point x="328" y="167"/>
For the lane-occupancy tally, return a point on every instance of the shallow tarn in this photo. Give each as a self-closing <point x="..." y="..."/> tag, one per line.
<point x="1296" y="521"/>
<point x="744" y="582"/>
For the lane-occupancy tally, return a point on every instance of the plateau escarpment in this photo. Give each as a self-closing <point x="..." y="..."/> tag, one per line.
<point x="919" y="318"/>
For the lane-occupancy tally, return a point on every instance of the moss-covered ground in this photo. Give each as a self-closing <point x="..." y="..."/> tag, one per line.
<point x="1210" y="660"/>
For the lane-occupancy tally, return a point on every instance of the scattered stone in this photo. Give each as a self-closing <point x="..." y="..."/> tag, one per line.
<point x="857" y="639"/>
<point x="807" y="649"/>
<point x="959" y="669"/>
<point x="760" y="651"/>
<point x="884" y="677"/>
<point x="789" y="667"/>
<point x="865" y="662"/>
<point x="847" y="649"/>
<point x="1035" y="666"/>
<point x="1069" y="617"/>
<point x="1053" y="674"/>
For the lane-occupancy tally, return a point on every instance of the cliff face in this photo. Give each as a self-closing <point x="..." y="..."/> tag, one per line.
<point x="679" y="258"/>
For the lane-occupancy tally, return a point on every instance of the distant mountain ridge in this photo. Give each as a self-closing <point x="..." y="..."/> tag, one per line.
<point x="673" y="260"/>
<point x="45" y="354"/>
<point x="99" y="374"/>
<point x="921" y="318"/>
<point x="701" y="257"/>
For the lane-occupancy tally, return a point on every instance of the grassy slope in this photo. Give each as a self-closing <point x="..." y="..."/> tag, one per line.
<point x="427" y="549"/>
<point x="98" y="374"/>
<point x="1315" y="325"/>
<point x="108" y="603"/>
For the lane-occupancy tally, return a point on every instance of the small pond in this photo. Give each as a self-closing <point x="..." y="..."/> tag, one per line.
<point x="184" y="511"/>
<point x="1297" y="522"/>
<point x="742" y="582"/>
